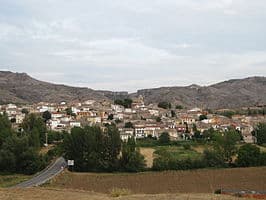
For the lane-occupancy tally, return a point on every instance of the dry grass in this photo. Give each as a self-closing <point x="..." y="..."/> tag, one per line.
<point x="148" y="154"/>
<point x="56" y="194"/>
<point x="118" y="192"/>
<point x="196" y="181"/>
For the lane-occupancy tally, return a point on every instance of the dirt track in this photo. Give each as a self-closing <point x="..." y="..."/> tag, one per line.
<point x="54" y="194"/>
<point x="197" y="181"/>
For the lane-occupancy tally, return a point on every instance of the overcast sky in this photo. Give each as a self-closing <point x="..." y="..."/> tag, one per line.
<point x="133" y="44"/>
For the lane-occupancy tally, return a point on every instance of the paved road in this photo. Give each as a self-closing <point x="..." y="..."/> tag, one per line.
<point x="47" y="174"/>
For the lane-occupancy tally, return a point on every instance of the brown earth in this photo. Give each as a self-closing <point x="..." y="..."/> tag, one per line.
<point x="196" y="181"/>
<point x="148" y="154"/>
<point x="58" y="194"/>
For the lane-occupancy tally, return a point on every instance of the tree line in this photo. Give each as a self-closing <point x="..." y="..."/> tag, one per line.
<point x="97" y="150"/>
<point x="220" y="153"/>
<point x="19" y="151"/>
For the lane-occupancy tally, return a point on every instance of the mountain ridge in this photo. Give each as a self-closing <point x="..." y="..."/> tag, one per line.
<point x="233" y="93"/>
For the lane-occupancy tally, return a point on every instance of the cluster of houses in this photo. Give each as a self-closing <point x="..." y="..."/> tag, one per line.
<point x="139" y="121"/>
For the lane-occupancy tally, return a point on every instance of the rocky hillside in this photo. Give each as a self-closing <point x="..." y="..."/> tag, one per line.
<point x="229" y="94"/>
<point x="21" y="88"/>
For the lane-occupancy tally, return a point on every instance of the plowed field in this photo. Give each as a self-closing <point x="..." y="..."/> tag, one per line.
<point x="196" y="181"/>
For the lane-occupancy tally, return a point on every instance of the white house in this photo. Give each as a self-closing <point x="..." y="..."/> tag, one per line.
<point x="126" y="133"/>
<point x="57" y="115"/>
<point x="117" y="108"/>
<point x="74" y="124"/>
<point x="154" y="112"/>
<point x="20" y="118"/>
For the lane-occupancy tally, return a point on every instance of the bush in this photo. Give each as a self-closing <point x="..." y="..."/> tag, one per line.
<point x="262" y="159"/>
<point x="187" y="146"/>
<point x="202" y="117"/>
<point x="169" y="161"/>
<point x="260" y="133"/>
<point x="248" y="155"/>
<point x="118" y="192"/>
<point x="164" y="138"/>
<point x="164" y="105"/>
<point x="213" y="159"/>
<point x="179" y="107"/>
<point x="218" y="191"/>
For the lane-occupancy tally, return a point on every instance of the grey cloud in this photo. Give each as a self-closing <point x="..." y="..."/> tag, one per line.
<point x="127" y="44"/>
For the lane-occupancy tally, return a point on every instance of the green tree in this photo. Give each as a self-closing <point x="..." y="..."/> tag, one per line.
<point x="197" y="133"/>
<point x="248" y="155"/>
<point x="18" y="156"/>
<point x="7" y="161"/>
<point x="110" y="117"/>
<point x="131" y="160"/>
<point x="25" y="111"/>
<point x="13" y="120"/>
<point x="5" y="128"/>
<point x="127" y="103"/>
<point x="202" y="117"/>
<point x="93" y="149"/>
<point x="33" y="125"/>
<point x="209" y="134"/>
<point x="173" y="114"/>
<point x="164" y="138"/>
<point x="164" y="105"/>
<point x="69" y="112"/>
<point x="19" y="152"/>
<point x="225" y="144"/>
<point x="46" y="116"/>
<point x="227" y="113"/>
<point x="213" y="159"/>
<point x="260" y="133"/>
<point x="179" y="107"/>
<point x="129" y="125"/>
<point x="158" y="119"/>
<point x="119" y="102"/>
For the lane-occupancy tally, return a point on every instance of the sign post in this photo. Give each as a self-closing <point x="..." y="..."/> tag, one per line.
<point x="70" y="164"/>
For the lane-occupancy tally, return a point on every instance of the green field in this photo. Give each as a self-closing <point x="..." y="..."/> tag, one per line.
<point x="8" y="180"/>
<point x="177" y="152"/>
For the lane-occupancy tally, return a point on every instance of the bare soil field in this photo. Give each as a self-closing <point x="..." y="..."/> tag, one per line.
<point x="196" y="181"/>
<point x="63" y="194"/>
<point x="148" y="154"/>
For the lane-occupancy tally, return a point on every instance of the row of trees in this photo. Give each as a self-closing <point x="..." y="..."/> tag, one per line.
<point x="127" y="103"/>
<point x="101" y="151"/>
<point x="168" y="105"/>
<point x="19" y="151"/>
<point x="223" y="148"/>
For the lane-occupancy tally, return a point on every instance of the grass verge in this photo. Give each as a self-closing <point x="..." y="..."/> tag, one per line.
<point x="8" y="180"/>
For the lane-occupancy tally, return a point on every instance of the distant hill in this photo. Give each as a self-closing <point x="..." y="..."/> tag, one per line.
<point x="228" y="94"/>
<point x="21" y="88"/>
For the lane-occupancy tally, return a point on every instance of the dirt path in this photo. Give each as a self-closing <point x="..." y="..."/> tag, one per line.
<point x="55" y="194"/>
<point x="148" y="154"/>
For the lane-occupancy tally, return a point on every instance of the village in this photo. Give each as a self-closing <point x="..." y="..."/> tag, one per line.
<point x="136" y="120"/>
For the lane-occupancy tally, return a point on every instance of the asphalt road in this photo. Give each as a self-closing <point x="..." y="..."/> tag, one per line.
<point x="45" y="175"/>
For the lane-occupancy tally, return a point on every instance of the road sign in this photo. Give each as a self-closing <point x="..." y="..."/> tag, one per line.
<point x="70" y="162"/>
